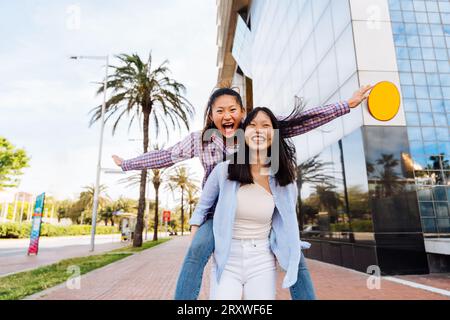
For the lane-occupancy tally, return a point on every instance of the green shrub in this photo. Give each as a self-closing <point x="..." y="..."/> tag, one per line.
<point x="16" y="230"/>
<point x="357" y="226"/>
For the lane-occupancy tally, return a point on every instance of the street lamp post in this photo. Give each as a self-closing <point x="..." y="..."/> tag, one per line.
<point x="99" y="159"/>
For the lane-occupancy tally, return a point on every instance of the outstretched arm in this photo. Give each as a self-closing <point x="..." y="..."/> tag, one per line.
<point x="318" y="116"/>
<point x="186" y="149"/>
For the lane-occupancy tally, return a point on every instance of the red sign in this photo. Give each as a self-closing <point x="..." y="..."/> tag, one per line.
<point x="166" y="216"/>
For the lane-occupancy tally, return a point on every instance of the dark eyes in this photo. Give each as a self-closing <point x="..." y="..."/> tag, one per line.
<point x="264" y="125"/>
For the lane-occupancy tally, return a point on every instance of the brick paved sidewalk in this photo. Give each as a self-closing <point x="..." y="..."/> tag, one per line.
<point x="152" y="274"/>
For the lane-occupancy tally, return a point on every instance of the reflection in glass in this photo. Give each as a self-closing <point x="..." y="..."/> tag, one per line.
<point x="429" y="225"/>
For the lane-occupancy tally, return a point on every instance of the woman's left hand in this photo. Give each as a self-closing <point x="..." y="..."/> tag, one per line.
<point x="359" y="96"/>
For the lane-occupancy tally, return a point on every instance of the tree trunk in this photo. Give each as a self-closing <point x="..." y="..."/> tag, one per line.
<point x="155" y="229"/>
<point x="137" y="239"/>
<point x="112" y="222"/>
<point x="182" y="211"/>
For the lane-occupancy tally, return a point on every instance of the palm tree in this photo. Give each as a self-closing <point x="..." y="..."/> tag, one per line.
<point x="87" y="199"/>
<point x="329" y="199"/>
<point x="180" y="177"/>
<point x="140" y="91"/>
<point x="388" y="177"/>
<point x="312" y="171"/>
<point x="192" y="198"/>
<point x="157" y="177"/>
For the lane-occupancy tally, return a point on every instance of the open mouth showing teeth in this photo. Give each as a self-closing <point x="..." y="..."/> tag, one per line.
<point x="229" y="128"/>
<point x="258" y="139"/>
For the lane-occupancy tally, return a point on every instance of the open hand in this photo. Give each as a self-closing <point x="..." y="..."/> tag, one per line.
<point x="117" y="160"/>
<point x="359" y="96"/>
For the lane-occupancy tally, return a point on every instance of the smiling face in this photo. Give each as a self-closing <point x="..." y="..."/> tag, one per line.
<point x="227" y="114"/>
<point x="259" y="132"/>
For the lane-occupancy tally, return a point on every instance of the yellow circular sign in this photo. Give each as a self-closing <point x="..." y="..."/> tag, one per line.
<point x="384" y="101"/>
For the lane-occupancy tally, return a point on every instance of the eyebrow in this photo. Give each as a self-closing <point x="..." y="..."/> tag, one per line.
<point x="230" y="106"/>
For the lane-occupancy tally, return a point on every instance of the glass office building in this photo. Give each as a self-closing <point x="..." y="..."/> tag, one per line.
<point x="373" y="193"/>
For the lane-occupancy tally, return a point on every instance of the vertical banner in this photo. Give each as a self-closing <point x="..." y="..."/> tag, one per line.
<point x="36" y="224"/>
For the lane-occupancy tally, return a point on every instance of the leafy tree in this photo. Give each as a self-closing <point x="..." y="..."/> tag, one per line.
<point x="149" y="95"/>
<point x="181" y="178"/>
<point x="312" y="171"/>
<point x="12" y="161"/>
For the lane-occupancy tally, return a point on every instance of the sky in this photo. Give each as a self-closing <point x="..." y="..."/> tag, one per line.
<point x="45" y="97"/>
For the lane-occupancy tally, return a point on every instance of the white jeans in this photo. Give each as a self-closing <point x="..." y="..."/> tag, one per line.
<point x="250" y="273"/>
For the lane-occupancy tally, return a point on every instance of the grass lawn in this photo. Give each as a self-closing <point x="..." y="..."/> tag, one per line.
<point x="23" y="284"/>
<point x="145" y="245"/>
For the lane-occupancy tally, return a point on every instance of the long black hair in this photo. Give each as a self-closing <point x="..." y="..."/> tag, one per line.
<point x="240" y="170"/>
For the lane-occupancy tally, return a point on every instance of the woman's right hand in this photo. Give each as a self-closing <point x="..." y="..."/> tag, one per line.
<point x="117" y="160"/>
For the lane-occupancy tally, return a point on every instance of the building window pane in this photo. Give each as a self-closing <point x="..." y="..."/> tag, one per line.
<point x="423" y="105"/>
<point x="441" y="209"/>
<point x="424" y="29"/>
<point x="437" y="105"/>
<point x="439" y="194"/>
<point x="434" y="17"/>
<point x="441" y="121"/>
<point x="429" y="226"/>
<point x="426" y="41"/>
<point x="414" y="133"/>
<point x="410" y="105"/>
<point x="412" y="119"/>
<point x="424" y="195"/>
<point x="435" y="92"/>
<point x="443" y="225"/>
<point x="419" y="6"/>
<point x="420" y="79"/>
<point x="426" y="119"/>
<point x="426" y="209"/>
<point x="421" y="17"/>
<point x="433" y="79"/>
<point x="428" y="53"/>
<point x="421" y="92"/>
<point x="428" y="134"/>
<point x="430" y="66"/>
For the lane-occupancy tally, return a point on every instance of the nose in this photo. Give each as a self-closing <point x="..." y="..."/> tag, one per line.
<point x="227" y="115"/>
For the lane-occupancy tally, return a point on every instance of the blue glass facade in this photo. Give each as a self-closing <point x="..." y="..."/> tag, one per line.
<point x="371" y="192"/>
<point x="421" y="31"/>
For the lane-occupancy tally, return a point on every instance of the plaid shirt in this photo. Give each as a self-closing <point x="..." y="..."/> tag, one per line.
<point x="214" y="150"/>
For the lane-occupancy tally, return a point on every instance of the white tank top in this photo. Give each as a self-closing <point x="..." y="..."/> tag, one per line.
<point x="254" y="212"/>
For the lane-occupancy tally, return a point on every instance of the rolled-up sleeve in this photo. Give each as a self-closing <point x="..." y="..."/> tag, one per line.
<point x="157" y="159"/>
<point x="316" y="117"/>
